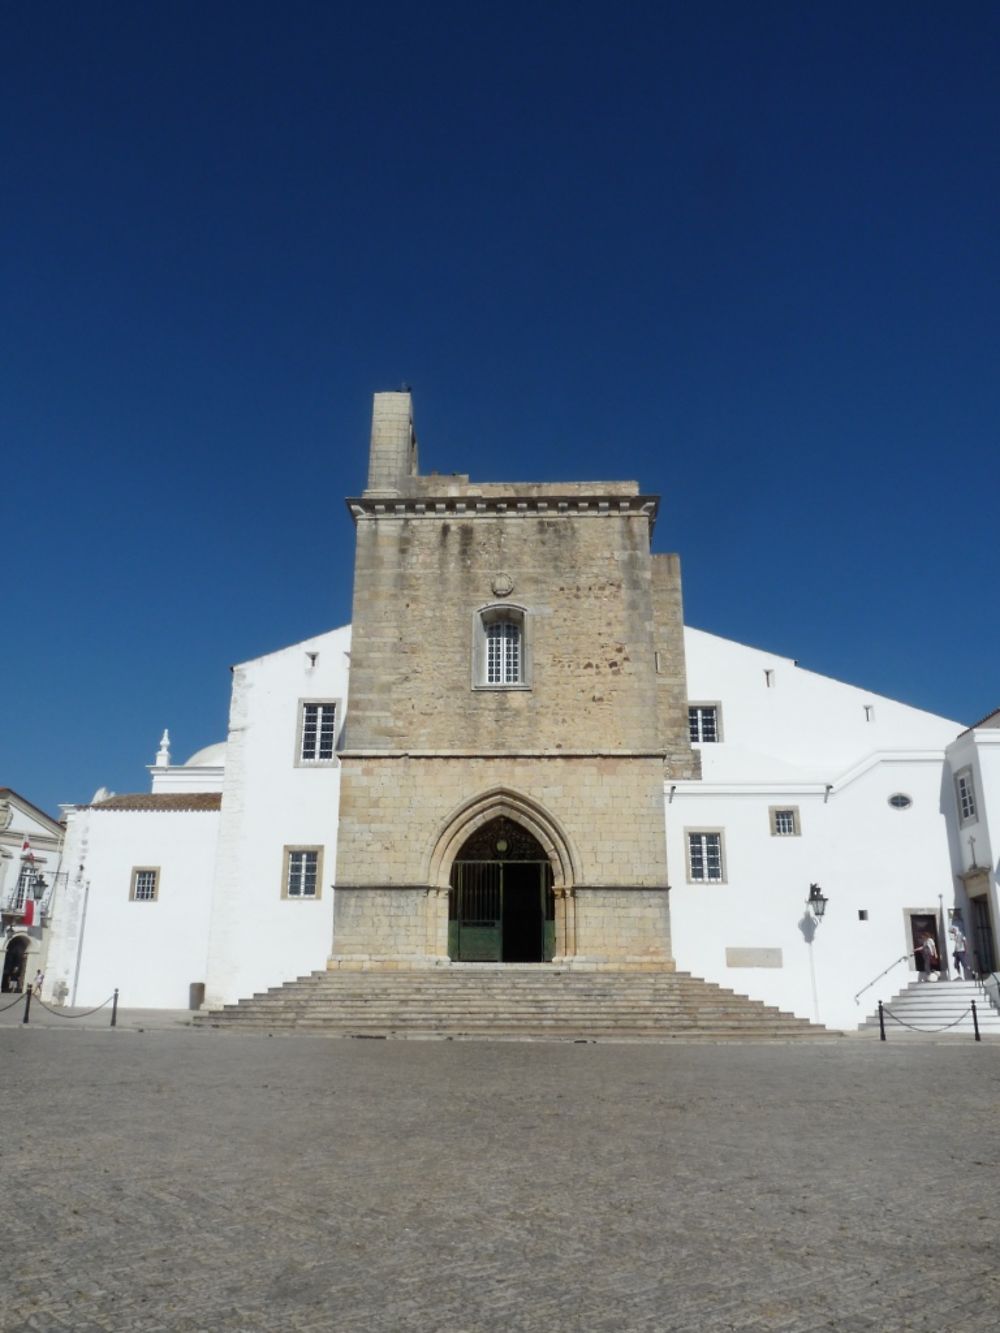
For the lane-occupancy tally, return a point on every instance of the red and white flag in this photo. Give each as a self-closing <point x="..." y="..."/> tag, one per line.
<point x="26" y="853"/>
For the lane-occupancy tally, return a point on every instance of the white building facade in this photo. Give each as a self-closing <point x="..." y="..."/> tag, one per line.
<point x="219" y="881"/>
<point x="31" y="882"/>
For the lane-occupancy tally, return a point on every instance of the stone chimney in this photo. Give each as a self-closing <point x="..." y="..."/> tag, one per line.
<point x="392" y="460"/>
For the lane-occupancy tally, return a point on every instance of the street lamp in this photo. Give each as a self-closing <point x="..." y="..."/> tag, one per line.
<point x="38" y="887"/>
<point x="816" y="902"/>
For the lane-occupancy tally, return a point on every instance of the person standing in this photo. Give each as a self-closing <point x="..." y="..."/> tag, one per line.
<point x="959" y="944"/>
<point x="930" y="955"/>
<point x="36" y="985"/>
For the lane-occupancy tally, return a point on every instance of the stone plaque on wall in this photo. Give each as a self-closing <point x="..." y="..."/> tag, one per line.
<point x="754" y="958"/>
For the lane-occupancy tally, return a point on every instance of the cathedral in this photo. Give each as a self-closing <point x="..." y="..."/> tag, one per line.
<point x="517" y="754"/>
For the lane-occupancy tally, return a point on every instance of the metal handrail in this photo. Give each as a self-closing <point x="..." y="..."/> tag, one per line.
<point x="895" y="963"/>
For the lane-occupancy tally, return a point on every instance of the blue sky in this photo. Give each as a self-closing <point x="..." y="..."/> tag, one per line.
<point x="744" y="254"/>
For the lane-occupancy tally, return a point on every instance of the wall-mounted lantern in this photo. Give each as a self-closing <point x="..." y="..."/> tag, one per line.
<point x="816" y="902"/>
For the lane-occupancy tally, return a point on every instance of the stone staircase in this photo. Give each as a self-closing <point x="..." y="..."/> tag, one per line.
<point x="510" y="1002"/>
<point x="938" y="1007"/>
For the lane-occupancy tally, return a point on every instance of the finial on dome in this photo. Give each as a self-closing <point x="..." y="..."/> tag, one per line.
<point x="163" y="753"/>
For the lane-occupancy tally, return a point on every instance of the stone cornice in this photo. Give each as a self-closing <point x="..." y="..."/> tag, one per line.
<point x="510" y="506"/>
<point x="494" y="755"/>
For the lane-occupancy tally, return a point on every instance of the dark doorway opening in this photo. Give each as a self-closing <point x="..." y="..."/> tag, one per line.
<point x="501" y="908"/>
<point x="14" y="964"/>
<point x="982" y="936"/>
<point x="523" y="922"/>
<point x="921" y="925"/>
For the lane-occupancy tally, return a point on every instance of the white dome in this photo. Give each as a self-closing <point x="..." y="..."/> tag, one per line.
<point x="212" y="756"/>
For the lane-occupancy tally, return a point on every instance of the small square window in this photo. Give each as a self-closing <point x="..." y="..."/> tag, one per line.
<point x="145" y="884"/>
<point x="317" y="731"/>
<point x="705" y="864"/>
<point x="784" y="821"/>
<point x="303" y="867"/>
<point x="703" y="723"/>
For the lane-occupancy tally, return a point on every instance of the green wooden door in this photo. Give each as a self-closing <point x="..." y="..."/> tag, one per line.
<point x="475" y="912"/>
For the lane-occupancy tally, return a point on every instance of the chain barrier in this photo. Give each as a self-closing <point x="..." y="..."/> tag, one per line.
<point x="86" y="1014"/>
<point x="28" y="996"/>
<point x="12" y="1004"/>
<point x="883" y="1010"/>
<point x="902" y="1022"/>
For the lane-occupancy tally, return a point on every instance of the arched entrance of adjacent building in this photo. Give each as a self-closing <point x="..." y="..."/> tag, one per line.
<point x="501" y="908"/>
<point x="15" y="962"/>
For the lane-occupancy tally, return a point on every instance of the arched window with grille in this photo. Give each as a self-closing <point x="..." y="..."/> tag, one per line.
<point x="500" y="649"/>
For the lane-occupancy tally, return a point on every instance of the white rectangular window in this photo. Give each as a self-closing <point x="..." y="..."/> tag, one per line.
<point x="784" y="821"/>
<point x="145" y="884"/>
<point x="318" y="733"/>
<point x="301" y="872"/>
<point x="21" y="888"/>
<point x="705" y="858"/>
<point x="503" y="653"/>
<point x="703" y="722"/>
<point x="966" y="794"/>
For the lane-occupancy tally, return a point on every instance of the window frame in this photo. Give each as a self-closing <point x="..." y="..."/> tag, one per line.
<point x="133" y="895"/>
<point x="964" y="779"/>
<point x="335" y="705"/>
<point x="288" y="851"/>
<point x="774" y="811"/>
<point x="496" y="613"/>
<point x="699" y="706"/>
<point x="689" y="834"/>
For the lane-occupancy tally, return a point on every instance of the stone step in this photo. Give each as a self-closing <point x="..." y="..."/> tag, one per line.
<point x="942" y="1006"/>
<point x="508" y="1002"/>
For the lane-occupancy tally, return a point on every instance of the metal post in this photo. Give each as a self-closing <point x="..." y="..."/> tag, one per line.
<point x="27" y="1005"/>
<point x="881" y="1022"/>
<point x="975" y="1021"/>
<point x="114" y="1009"/>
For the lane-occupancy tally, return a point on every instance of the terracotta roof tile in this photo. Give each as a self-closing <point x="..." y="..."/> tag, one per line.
<point x="174" y="800"/>
<point x="991" y="719"/>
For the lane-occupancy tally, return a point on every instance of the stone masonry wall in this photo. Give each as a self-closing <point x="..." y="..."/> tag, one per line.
<point x="586" y="585"/>
<point x="393" y="812"/>
<point x="671" y="672"/>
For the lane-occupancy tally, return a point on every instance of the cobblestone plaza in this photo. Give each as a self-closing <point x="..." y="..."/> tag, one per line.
<point x="181" y="1180"/>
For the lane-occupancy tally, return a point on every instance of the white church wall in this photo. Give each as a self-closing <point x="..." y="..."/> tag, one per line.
<point x="102" y="939"/>
<point x="272" y="801"/>
<point x="750" y="933"/>
<point x="976" y="840"/>
<point x="801" y="719"/>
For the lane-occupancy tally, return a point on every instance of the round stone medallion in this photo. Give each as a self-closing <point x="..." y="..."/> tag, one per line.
<point x="502" y="585"/>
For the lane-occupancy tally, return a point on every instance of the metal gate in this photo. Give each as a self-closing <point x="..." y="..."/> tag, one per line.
<point x="476" y="905"/>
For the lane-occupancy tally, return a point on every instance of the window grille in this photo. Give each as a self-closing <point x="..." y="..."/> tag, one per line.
<point x="21" y="888"/>
<point x="784" y="823"/>
<point x="144" y="886"/>
<point x="705" y="857"/>
<point x="303" y="867"/>
<point x="319" y="732"/>
<point x="503" y="653"/>
<point x="703" y="722"/>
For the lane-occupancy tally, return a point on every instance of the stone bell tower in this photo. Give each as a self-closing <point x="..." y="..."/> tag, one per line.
<point x="517" y="683"/>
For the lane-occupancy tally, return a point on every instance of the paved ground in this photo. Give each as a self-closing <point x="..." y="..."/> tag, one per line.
<point x="182" y="1180"/>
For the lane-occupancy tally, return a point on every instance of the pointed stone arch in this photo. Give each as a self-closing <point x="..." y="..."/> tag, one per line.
<point x="478" y="810"/>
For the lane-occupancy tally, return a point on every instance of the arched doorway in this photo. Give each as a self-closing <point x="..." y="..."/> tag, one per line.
<point x="15" y="963"/>
<point x="501" y="908"/>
